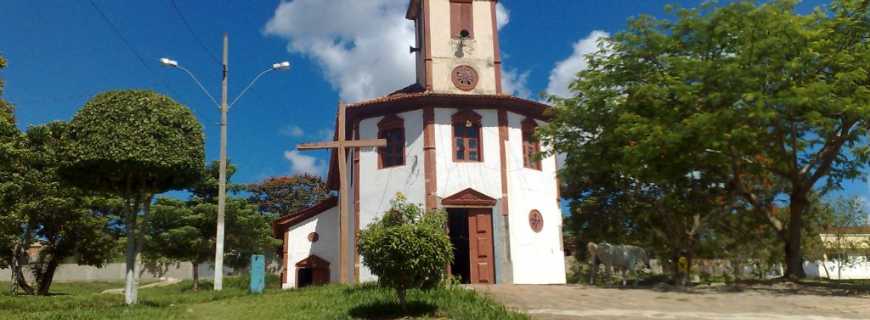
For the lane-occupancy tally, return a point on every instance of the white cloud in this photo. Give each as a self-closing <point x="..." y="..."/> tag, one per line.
<point x="502" y="16"/>
<point x="301" y="164"/>
<point x="566" y="70"/>
<point x="515" y="83"/>
<point x="293" y="131"/>
<point x="362" y="46"/>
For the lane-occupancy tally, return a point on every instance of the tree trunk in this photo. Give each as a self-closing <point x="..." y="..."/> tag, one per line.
<point x="794" y="269"/>
<point x="20" y="259"/>
<point x="402" y="298"/>
<point x="130" y="285"/>
<point x="736" y="269"/>
<point x="675" y="267"/>
<point x="44" y="280"/>
<point x="690" y="255"/>
<point x="130" y="279"/>
<point x="195" y="276"/>
<point x="19" y="282"/>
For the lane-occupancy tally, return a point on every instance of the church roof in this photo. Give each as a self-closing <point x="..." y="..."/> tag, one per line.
<point x="415" y="97"/>
<point x="280" y="225"/>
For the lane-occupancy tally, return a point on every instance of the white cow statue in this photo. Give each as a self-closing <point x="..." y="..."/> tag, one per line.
<point x="625" y="258"/>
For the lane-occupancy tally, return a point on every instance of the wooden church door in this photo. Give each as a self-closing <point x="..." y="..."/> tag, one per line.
<point x="480" y="245"/>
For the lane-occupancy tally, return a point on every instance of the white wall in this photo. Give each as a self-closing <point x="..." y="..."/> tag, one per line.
<point x="537" y="257"/>
<point x="453" y="177"/>
<point x="857" y="268"/>
<point x="299" y="248"/>
<point x="381" y="185"/>
<point x="114" y="272"/>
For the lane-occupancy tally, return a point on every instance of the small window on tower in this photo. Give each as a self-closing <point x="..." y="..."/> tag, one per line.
<point x="392" y="129"/>
<point x="461" y="19"/>
<point x="531" y="147"/>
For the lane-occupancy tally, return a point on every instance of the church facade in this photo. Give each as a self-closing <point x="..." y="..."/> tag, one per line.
<point x="454" y="142"/>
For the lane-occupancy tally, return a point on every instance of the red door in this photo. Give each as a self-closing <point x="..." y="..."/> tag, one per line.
<point x="480" y="245"/>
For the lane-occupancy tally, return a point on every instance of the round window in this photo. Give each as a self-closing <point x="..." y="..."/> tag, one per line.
<point x="464" y="77"/>
<point x="536" y="221"/>
<point x="313" y="237"/>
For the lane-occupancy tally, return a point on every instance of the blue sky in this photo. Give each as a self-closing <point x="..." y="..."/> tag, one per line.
<point x="61" y="53"/>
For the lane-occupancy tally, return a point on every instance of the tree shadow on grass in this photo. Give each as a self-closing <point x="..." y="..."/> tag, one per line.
<point x="392" y="310"/>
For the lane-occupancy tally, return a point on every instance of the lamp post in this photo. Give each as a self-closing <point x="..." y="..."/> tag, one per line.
<point x="222" y="179"/>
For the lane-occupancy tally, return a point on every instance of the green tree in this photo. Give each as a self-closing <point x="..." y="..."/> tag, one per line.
<point x="10" y="136"/>
<point x="185" y="231"/>
<point x="286" y="194"/>
<point x="407" y="248"/>
<point x="133" y="144"/>
<point x="6" y="109"/>
<point x="53" y="214"/>
<point x="759" y="92"/>
<point x="206" y="188"/>
<point x="10" y="179"/>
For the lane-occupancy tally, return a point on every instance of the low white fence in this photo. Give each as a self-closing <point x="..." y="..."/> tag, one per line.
<point x="114" y="272"/>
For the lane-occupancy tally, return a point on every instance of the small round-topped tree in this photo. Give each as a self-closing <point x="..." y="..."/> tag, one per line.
<point x="134" y="144"/>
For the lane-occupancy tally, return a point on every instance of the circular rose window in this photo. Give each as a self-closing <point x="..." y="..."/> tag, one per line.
<point x="464" y="77"/>
<point x="313" y="237"/>
<point x="536" y="221"/>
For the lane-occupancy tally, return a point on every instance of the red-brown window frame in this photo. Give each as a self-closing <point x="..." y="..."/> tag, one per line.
<point x="461" y="18"/>
<point x="462" y="118"/>
<point x="528" y="131"/>
<point x="388" y="123"/>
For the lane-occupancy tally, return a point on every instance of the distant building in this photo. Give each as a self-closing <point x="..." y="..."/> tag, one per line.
<point x="846" y="256"/>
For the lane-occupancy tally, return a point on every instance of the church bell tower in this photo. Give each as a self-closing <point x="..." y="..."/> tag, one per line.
<point x="457" y="49"/>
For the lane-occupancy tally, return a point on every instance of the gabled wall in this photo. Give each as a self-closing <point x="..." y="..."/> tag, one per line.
<point x="326" y="247"/>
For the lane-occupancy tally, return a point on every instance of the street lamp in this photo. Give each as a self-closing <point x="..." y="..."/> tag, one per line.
<point x="222" y="183"/>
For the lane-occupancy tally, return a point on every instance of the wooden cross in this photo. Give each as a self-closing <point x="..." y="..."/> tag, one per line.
<point x="341" y="145"/>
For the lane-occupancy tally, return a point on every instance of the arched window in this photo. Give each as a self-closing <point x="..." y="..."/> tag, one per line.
<point x="531" y="147"/>
<point x="467" y="136"/>
<point x="461" y="19"/>
<point x="392" y="129"/>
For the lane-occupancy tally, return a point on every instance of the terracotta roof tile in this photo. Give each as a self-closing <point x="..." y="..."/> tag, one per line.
<point x="280" y="225"/>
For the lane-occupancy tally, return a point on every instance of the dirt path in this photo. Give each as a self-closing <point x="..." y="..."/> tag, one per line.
<point x="583" y="302"/>
<point x="162" y="283"/>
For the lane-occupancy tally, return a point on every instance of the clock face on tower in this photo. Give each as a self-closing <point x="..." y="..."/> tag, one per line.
<point x="464" y="78"/>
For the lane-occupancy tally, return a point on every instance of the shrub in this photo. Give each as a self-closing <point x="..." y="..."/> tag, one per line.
<point x="407" y="248"/>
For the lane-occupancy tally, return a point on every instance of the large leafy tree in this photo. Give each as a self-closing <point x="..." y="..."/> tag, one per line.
<point x="10" y="168"/>
<point x="133" y="144"/>
<point x="51" y="213"/>
<point x="9" y="138"/>
<point x="286" y="194"/>
<point x="774" y="103"/>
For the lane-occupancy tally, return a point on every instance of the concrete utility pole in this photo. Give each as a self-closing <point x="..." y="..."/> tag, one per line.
<point x="222" y="183"/>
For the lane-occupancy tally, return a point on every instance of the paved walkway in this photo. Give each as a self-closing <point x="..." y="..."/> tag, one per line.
<point x="584" y="302"/>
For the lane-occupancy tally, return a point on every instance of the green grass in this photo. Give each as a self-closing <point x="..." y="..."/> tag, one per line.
<point x="84" y="301"/>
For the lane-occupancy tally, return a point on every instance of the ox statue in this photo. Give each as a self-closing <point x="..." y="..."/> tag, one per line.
<point x="624" y="258"/>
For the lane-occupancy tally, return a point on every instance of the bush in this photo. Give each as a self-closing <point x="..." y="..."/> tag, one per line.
<point x="407" y="248"/>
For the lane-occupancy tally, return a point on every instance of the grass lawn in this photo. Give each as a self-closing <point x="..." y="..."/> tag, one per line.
<point x="84" y="301"/>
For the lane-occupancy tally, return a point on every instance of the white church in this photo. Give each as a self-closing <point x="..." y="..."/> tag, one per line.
<point x="454" y="141"/>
